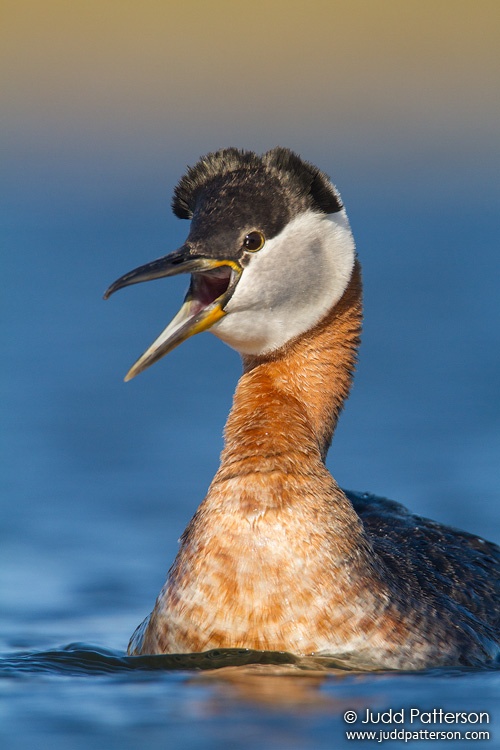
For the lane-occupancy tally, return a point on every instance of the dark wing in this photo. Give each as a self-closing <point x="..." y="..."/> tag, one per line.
<point x="457" y="574"/>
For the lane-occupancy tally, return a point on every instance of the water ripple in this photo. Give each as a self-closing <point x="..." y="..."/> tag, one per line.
<point x="83" y="659"/>
<point x="79" y="658"/>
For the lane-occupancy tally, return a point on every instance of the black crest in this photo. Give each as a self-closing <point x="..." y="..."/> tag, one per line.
<point x="305" y="185"/>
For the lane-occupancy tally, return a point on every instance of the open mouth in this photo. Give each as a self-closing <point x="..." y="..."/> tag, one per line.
<point x="212" y="284"/>
<point x="209" y="286"/>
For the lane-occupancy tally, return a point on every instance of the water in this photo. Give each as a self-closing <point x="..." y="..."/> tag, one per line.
<point x="101" y="477"/>
<point x="103" y="699"/>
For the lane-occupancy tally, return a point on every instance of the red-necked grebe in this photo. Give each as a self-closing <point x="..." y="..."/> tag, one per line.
<point x="277" y="556"/>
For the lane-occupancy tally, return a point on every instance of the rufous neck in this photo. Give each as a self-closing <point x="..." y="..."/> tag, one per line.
<point x="294" y="396"/>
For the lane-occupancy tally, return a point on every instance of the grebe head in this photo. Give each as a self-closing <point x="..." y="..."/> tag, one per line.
<point x="270" y="252"/>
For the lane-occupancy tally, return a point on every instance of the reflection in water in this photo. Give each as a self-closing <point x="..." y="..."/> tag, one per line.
<point x="274" y="677"/>
<point x="277" y="687"/>
<point x="277" y="680"/>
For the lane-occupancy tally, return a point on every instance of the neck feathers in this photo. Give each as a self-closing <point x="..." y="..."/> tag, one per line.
<point x="290" y="400"/>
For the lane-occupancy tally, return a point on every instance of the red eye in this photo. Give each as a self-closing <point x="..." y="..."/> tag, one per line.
<point x="254" y="241"/>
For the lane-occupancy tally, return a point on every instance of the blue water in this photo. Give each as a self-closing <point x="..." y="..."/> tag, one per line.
<point x="96" y="700"/>
<point x="101" y="477"/>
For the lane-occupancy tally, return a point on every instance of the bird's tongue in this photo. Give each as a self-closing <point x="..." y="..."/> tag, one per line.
<point x="208" y="286"/>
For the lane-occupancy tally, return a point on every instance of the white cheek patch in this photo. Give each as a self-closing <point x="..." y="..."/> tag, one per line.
<point x="289" y="285"/>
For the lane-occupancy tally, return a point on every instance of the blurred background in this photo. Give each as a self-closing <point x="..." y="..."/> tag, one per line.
<point x="103" y="105"/>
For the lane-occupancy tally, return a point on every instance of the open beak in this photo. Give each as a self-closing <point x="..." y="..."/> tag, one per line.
<point x="212" y="284"/>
